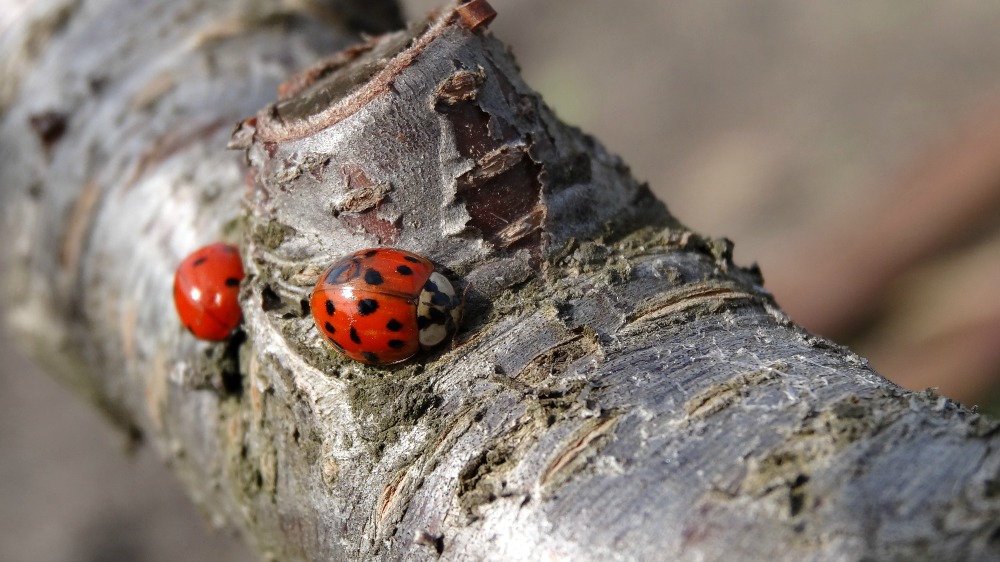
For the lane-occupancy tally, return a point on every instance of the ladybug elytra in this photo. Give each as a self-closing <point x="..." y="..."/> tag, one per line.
<point x="382" y="305"/>
<point x="206" y="291"/>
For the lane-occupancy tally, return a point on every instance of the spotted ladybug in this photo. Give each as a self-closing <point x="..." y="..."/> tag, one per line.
<point x="206" y="291"/>
<point x="381" y="305"/>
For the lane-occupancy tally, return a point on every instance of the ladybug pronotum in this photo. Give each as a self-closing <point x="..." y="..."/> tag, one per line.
<point x="206" y="291"/>
<point x="382" y="305"/>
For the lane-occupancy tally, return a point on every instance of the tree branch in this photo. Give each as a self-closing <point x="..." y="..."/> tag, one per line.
<point x="619" y="390"/>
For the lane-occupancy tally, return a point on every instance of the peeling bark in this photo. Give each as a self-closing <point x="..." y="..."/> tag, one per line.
<point x="620" y="389"/>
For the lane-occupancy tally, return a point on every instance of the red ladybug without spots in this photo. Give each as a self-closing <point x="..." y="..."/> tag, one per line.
<point x="206" y="291"/>
<point x="382" y="305"/>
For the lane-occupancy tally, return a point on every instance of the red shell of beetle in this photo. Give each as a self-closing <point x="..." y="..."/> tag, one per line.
<point x="365" y="304"/>
<point x="206" y="291"/>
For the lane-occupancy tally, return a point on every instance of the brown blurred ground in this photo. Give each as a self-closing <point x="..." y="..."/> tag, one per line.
<point x="829" y="140"/>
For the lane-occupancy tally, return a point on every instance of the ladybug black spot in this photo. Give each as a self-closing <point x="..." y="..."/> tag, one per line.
<point x="373" y="277"/>
<point x="330" y="329"/>
<point x="232" y="282"/>
<point x="394" y="325"/>
<point x="329" y="307"/>
<point x="370" y="253"/>
<point x="404" y="270"/>
<point x="199" y="261"/>
<point x="411" y="259"/>
<point x="367" y="306"/>
<point x="334" y="277"/>
<point x="354" y="336"/>
<point x="369" y="356"/>
<point x="396" y="344"/>
<point x="437" y="317"/>
<point x="334" y="273"/>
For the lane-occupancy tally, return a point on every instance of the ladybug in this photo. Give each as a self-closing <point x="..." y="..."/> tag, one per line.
<point x="382" y="305"/>
<point x="206" y="291"/>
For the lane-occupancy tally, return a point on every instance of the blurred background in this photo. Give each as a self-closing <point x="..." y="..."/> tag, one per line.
<point x="850" y="149"/>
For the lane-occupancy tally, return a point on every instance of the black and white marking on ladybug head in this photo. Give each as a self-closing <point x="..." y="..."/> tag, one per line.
<point x="437" y="310"/>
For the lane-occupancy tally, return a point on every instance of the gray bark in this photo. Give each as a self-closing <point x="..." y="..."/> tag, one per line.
<point x="619" y="388"/>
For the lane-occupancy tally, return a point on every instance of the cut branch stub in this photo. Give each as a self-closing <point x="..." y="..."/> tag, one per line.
<point x="476" y="13"/>
<point x="427" y="139"/>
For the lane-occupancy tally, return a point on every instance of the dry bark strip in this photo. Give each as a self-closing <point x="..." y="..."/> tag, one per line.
<point x="620" y="390"/>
